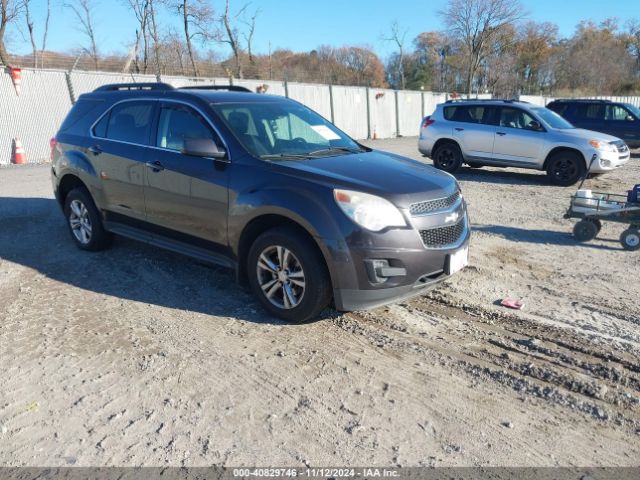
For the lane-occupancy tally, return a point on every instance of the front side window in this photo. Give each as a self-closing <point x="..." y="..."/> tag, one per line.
<point x="127" y="122"/>
<point x="616" y="113"/>
<point x="176" y="124"/>
<point x="515" y="118"/>
<point x="551" y="118"/>
<point x="272" y="130"/>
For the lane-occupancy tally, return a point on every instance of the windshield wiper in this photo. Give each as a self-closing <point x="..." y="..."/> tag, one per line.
<point x="336" y="149"/>
<point x="280" y="156"/>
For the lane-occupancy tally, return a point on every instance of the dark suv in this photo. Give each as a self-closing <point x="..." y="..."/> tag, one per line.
<point x="621" y="120"/>
<point x="262" y="185"/>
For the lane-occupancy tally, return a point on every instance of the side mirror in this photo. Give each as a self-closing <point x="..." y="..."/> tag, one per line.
<point x="534" y="125"/>
<point x="203" y="147"/>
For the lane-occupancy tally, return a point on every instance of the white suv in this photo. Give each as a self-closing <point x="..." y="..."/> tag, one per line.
<point x="505" y="133"/>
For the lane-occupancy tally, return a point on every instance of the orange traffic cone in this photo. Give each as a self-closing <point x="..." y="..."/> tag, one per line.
<point x="19" y="156"/>
<point x="16" y="76"/>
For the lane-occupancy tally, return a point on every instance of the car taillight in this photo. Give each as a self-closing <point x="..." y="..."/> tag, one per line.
<point x="428" y="121"/>
<point x="53" y="143"/>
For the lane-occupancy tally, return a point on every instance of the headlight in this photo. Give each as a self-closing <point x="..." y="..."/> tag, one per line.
<point x="603" y="146"/>
<point x="369" y="211"/>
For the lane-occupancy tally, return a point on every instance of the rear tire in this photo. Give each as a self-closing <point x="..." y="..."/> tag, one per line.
<point x="447" y="157"/>
<point x="85" y="222"/>
<point x="585" y="231"/>
<point x="288" y="275"/>
<point x="565" y="168"/>
<point x="630" y="239"/>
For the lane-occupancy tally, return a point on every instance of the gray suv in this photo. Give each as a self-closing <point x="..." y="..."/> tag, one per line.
<point x="505" y="133"/>
<point x="261" y="184"/>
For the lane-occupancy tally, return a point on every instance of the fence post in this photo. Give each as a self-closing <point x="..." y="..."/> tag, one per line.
<point x="422" y="104"/>
<point x="368" y="116"/>
<point x="72" y="94"/>
<point x="333" y="120"/>
<point x="397" y="114"/>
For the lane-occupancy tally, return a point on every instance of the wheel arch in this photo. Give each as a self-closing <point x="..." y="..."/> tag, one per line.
<point x="561" y="149"/>
<point x="444" y="141"/>
<point x="67" y="183"/>
<point x="262" y="223"/>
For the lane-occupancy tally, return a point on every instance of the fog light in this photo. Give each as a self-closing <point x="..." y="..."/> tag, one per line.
<point x="379" y="270"/>
<point x="605" y="163"/>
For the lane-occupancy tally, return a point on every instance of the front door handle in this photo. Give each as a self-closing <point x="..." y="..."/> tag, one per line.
<point x="458" y="129"/>
<point x="155" y="166"/>
<point x="96" y="149"/>
<point x="502" y="134"/>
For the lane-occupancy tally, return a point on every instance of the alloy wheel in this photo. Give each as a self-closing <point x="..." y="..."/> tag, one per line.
<point x="281" y="277"/>
<point x="80" y="222"/>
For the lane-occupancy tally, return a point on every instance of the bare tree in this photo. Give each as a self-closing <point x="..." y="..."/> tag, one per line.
<point x="30" y="29"/>
<point x="398" y="37"/>
<point x="476" y="23"/>
<point x="45" y="33"/>
<point x="230" y="34"/>
<point x="197" y="17"/>
<point x="83" y="10"/>
<point x="248" y="35"/>
<point x="9" y="11"/>
<point x="140" y="9"/>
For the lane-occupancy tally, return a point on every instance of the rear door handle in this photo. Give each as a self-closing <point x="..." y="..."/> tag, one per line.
<point x="155" y="166"/>
<point x="501" y="133"/>
<point x="96" y="149"/>
<point x="458" y="129"/>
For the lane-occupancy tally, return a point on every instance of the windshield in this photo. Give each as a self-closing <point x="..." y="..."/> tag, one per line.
<point x="635" y="110"/>
<point x="552" y="118"/>
<point x="273" y="130"/>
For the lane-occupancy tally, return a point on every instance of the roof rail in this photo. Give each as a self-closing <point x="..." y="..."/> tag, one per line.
<point x="134" y="86"/>
<point x="592" y="100"/>
<point x="505" y="100"/>
<point x="229" y="88"/>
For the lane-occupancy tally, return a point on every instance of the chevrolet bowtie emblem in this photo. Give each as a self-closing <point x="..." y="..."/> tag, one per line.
<point x="451" y="218"/>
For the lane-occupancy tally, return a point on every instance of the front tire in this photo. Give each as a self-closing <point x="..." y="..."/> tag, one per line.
<point x="447" y="157"/>
<point x="84" y="221"/>
<point x="288" y="275"/>
<point x="565" y="168"/>
<point x="630" y="239"/>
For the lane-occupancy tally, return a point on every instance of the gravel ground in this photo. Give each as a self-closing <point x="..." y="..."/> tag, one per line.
<point x="137" y="356"/>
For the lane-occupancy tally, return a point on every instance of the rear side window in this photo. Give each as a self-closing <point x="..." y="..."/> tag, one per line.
<point x="559" y="108"/>
<point x="469" y="114"/>
<point x="81" y="116"/>
<point x="590" y="111"/>
<point x="127" y="122"/>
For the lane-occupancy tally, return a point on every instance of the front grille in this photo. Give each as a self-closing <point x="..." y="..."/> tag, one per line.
<point x="443" y="236"/>
<point x="431" y="206"/>
<point x="621" y="146"/>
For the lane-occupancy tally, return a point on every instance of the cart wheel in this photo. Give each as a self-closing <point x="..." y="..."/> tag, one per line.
<point x="596" y="222"/>
<point x="630" y="239"/>
<point x="585" y="230"/>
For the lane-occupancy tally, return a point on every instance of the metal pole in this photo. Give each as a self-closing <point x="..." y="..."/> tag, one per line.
<point x="333" y="120"/>
<point x="368" y="116"/>
<point x="397" y="114"/>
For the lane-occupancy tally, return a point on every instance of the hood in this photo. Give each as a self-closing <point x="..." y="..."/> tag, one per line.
<point x="399" y="179"/>
<point x="580" y="133"/>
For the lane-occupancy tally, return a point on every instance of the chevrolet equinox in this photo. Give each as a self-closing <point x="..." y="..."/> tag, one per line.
<point x="263" y="185"/>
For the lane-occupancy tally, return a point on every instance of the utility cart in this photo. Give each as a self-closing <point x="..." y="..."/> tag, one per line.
<point x="593" y="208"/>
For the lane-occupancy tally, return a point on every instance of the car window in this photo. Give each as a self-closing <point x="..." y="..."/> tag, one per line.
<point x="127" y="122"/>
<point x="590" y="111"/>
<point x="515" y="118"/>
<point x="615" y="112"/>
<point x="559" y="108"/>
<point x="469" y="113"/>
<point x="269" y="129"/>
<point x="177" y="123"/>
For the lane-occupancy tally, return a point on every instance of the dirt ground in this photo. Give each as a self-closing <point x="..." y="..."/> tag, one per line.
<point x="137" y="356"/>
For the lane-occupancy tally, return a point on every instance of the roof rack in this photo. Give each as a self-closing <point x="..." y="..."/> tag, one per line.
<point x="454" y="100"/>
<point x="229" y="88"/>
<point x="134" y="86"/>
<point x="592" y="100"/>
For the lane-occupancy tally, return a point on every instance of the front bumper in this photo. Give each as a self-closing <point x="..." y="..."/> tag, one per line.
<point x="407" y="267"/>
<point x="608" y="161"/>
